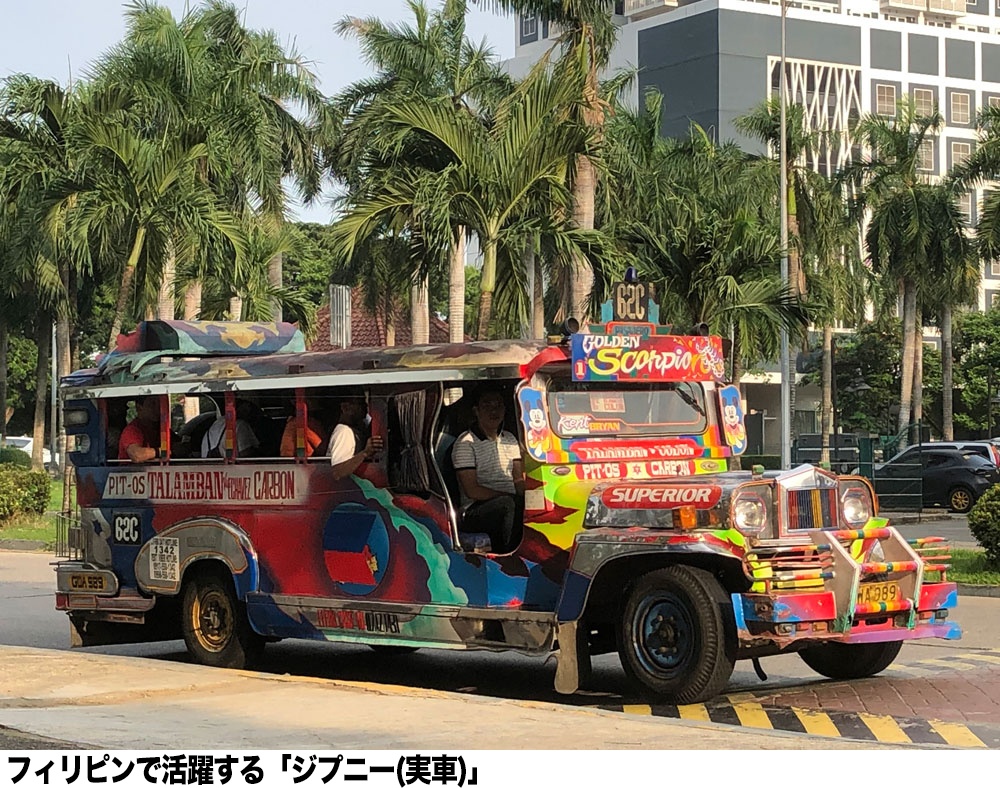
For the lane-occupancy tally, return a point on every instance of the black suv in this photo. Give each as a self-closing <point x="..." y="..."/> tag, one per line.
<point x="939" y="476"/>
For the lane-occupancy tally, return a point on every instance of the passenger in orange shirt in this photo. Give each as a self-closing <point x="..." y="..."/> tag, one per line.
<point x="316" y="433"/>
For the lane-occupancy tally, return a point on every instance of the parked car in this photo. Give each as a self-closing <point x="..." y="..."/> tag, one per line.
<point x="985" y="448"/>
<point x="941" y="476"/>
<point x="25" y="444"/>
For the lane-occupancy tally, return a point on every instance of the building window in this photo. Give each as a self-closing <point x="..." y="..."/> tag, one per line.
<point x="994" y="298"/>
<point x="925" y="156"/>
<point x="960" y="109"/>
<point x="923" y="101"/>
<point x="995" y="268"/>
<point x="965" y="206"/>
<point x="960" y="151"/>
<point x="994" y="102"/>
<point x="529" y="26"/>
<point x="885" y="100"/>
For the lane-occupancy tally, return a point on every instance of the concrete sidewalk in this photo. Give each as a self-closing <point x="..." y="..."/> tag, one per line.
<point x="112" y="702"/>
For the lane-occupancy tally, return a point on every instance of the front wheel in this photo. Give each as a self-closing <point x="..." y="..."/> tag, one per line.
<point x="844" y="661"/>
<point x="676" y="638"/>
<point x="216" y="629"/>
<point x="960" y="500"/>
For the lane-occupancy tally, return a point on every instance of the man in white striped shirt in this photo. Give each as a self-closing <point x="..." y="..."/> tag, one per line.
<point x="487" y="461"/>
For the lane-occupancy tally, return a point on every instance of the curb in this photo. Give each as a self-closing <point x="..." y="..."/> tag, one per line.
<point x="984" y="591"/>
<point x="26" y="545"/>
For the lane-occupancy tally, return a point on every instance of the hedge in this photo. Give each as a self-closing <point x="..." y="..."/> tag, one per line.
<point x="11" y="456"/>
<point x="984" y="522"/>
<point x="23" y="491"/>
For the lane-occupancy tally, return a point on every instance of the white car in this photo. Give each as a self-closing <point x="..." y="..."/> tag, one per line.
<point x="25" y="444"/>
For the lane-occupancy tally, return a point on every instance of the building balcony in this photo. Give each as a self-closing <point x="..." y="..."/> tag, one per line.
<point x="640" y="9"/>
<point x="949" y="8"/>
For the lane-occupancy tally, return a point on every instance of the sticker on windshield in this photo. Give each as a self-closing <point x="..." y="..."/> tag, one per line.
<point x="607" y="403"/>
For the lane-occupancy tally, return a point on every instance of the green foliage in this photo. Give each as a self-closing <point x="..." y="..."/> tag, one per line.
<point x="973" y="567"/>
<point x="977" y="347"/>
<point x="12" y="456"/>
<point x="984" y="523"/>
<point x="22" y="491"/>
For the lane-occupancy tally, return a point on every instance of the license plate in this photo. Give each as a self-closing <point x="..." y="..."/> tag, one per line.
<point x="870" y="593"/>
<point x="87" y="581"/>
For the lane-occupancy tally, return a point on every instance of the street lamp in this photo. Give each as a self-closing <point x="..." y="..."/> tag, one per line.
<point x="786" y="382"/>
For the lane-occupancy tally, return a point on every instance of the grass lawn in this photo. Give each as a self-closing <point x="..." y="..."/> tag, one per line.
<point x="972" y="568"/>
<point x="34" y="527"/>
<point x="56" y="496"/>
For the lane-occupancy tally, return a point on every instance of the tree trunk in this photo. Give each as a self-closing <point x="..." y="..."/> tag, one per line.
<point x="4" y="344"/>
<point x="456" y="288"/>
<point x="947" y="376"/>
<point x="43" y="338"/>
<point x="918" y="370"/>
<point x="192" y="300"/>
<point x="528" y="265"/>
<point x="274" y="278"/>
<point x="538" y="301"/>
<point x="419" y="313"/>
<point x="906" y="373"/>
<point x="128" y="278"/>
<point x="236" y="308"/>
<point x="165" y="304"/>
<point x="582" y="277"/>
<point x="73" y="298"/>
<point x="487" y="283"/>
<point x="826" y="407"/>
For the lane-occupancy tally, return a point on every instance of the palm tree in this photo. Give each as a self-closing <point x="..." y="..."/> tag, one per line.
<point x="902" y="235"/>
<point x="207" y="79"/>
<point x="499" y="170"/>
<point x="587" y="38"/>
<point x="432" y="58"/>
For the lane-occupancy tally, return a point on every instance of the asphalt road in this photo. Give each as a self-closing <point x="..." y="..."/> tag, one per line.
<point x="28" y="618"/>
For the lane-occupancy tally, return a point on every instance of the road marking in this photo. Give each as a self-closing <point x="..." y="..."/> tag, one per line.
<point x="955" y="734"/>
<point x="885" y="728"/>
<point x="990" y="658"/>
<point x="694" y="711"/>
<point x="951" y="664"/>
<point x="637" y="709"/>
<point x="752" y="715"/>
<point x="817" y="723"/>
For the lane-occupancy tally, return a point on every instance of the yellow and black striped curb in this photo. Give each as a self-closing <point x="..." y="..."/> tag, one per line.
<point x="746" y="710"/>
<point x="860" y="726"/>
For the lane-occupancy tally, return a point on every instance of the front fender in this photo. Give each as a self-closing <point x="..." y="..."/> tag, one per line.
<point x="595" y="549"/>
<point x="162" y="561"/>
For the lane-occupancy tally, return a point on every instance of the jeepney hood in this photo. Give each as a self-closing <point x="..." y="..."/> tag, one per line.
<point x="707" y="498"/>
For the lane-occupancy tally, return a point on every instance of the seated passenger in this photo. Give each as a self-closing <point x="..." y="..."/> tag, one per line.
<point x="487" y="461"/>
<point x="316" y="434"/>
<point x="140" y="440"/>
<point x="348" y="445"/>
<point x="214" y="442"/>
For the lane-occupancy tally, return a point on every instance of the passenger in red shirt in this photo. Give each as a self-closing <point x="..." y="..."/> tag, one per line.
<point x="140" y="440"/>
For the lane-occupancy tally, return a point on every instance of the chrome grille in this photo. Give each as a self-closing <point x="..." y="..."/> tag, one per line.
<point x="813" y="508"/>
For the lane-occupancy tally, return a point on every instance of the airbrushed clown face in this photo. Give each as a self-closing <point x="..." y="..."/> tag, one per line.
<point x="536" y="418"/>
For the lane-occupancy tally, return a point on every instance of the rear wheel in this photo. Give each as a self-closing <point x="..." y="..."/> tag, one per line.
<point x="960" y="500"/>
<point x="850" y="660"/>
<point x="674" y="637"/>
<point x="216" y="629"/>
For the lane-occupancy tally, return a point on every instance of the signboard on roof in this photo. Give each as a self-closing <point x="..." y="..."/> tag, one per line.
<point x="653" y="358"/>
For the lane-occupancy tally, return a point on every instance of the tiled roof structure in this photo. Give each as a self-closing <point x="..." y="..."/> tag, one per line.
<point x="368" y="329"/>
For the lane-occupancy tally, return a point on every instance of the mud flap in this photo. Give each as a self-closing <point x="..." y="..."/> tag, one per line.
<point x="573" y="659"/>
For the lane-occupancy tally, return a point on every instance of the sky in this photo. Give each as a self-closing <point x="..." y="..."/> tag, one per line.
<point x="57" y="38"/>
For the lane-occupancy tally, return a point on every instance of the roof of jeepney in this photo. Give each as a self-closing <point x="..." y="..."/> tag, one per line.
<point x="415" y="363"/>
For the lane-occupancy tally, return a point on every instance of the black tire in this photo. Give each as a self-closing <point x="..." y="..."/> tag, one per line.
<point x="960" y="499"/>
<point x="394" y="651"/>
<point x="215" y="625"/>
<point x="844" y="661"/>
<point x="689" y="657"/>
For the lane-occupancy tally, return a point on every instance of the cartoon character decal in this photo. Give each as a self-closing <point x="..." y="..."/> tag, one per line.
<point x="732" y="418"/>
<point x="538" y="435"/>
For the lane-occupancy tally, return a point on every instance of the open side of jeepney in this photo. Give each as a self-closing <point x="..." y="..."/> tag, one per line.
<point x="637" y="534"/>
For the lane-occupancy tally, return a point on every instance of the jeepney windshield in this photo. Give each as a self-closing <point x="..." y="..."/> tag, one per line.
<point x="600" y="408"/>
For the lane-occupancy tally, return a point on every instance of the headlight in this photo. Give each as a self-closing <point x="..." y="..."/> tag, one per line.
<point x="856" y="506"/>
<point x="749" y="514"/>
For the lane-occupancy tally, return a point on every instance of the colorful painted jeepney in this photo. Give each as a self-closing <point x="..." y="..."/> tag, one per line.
<point x="637" y="535"/>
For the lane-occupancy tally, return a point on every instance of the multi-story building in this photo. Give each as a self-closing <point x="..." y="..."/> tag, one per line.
<point x="713" y="60"/>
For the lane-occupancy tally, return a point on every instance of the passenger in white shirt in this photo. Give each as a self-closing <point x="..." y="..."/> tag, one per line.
<point x="247" y="444"/>
<point x="345" y="455"/>
<point x="487" y="461"/>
